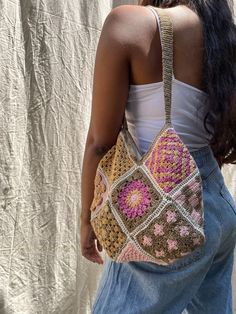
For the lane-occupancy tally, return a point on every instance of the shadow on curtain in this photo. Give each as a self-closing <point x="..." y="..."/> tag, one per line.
<point x="46" y="59"/>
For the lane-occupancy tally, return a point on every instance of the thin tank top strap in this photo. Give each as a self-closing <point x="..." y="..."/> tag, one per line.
<point x="157" y="18"/>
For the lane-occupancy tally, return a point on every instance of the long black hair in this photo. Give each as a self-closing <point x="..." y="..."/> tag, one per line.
<point x="219" y="70"/>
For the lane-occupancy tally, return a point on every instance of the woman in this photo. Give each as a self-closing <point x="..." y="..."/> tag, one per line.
<point x="128" y="79"/>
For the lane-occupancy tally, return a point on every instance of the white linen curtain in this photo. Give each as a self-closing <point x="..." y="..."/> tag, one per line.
<point x="47" y="53"/>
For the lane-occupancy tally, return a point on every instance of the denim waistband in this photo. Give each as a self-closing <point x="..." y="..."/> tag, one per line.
<point x="204" y="156"/>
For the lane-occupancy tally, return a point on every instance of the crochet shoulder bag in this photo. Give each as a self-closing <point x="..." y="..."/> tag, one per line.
<point x="149" y="207"/>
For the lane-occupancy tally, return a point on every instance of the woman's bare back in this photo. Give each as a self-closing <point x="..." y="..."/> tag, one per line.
<point x="146" y="66"/>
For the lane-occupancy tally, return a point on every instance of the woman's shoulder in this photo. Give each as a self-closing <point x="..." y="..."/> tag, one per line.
<point x="130" y="25"/>
<point x="127" y="16"/>
<point x="127" y="11"/>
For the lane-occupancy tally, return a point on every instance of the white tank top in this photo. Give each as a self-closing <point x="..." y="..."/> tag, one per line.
<point x="145" y="113"/>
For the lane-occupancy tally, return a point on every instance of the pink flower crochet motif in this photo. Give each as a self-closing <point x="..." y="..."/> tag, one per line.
<point x="181" y="198"/>
<point x="196" y="241"/>
<point x="193" y="200"/>
<point x="196" y="216"/>
<point x="134" y="199"/>
<point x="171" y="216"/>
<point x="160" y="253"/>
<point x="172" y="245"/>
<point x="147" y="241"/>
<point x="184" y="231"/>
<point x="158" y="229"/>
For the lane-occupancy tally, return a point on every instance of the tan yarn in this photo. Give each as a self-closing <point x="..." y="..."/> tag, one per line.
<point x="108" y="232"/>
<point x="116" y="162"/>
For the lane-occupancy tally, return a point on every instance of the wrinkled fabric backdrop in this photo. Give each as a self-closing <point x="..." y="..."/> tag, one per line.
<point x="47" y="51"/>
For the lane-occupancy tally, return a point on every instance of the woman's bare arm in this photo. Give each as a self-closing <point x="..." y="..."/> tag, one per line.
<point x="110" y="91"/>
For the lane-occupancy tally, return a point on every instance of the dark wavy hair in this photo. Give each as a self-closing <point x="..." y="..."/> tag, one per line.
<point x="219" y="75"/>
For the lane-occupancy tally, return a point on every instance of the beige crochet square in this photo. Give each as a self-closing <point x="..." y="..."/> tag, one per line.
<point x="108" y="231"/>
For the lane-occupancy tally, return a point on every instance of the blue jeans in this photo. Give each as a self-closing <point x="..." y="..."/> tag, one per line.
<point x="199" y="283"/>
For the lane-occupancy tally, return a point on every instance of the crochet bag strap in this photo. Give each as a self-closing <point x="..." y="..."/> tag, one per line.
<point x="166" y="35"/>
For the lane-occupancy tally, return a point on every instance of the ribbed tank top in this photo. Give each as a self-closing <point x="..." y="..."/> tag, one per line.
<point x="145" y="112"/>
